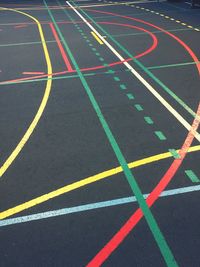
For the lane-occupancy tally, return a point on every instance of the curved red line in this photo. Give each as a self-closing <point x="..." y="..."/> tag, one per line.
<point x="105" y="252"/>
<point x="116" y="240"/>
<point x="70" y="70"/>
<point x="187" y="48"/>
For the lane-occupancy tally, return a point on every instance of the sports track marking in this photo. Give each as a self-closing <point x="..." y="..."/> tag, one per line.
<point x="139" y="77"/>
<point x="93" y="206"/>
<point x="187" y="108"/>
<point x="166" y="17"/>
<point x="88" y="180"/>
<point x="43" y="103"/>
<point x="104" y="253"/>
<point x="68" y="65"/>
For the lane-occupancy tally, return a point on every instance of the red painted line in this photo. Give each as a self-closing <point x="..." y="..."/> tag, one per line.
<point x="20" y="26"/>
<point x="116" y="240"/>
<point x="64" y="56"/>
<point x="33" y="72"/>
<point x="154" y="44"/>
<point x="154" y="38"/>
<point x="187" y="48"/>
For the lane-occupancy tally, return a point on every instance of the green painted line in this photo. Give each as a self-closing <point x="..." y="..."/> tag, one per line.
<point x="123" y="86"/>
<point x="101" y="59"/>
<point x="148" y="72"/>
<point x="130" y="96"/>
<point x="160" y="135"/>
<point x="172" y="65"/>
<point x="111" y="71"/>
<point x="94" y="49"/>
<point x="193" y="177"/>
<point x="168" y="256"/>
<point x="138" y="107"/>
<point x="105" y="64"/>
<point x="97" y="54"/>
<point x="148" y="120"/>
<point x="144" y="33"/>
<point x="174" y="153"/>
<point x="27" y="43"/>
<point x="117" y="79"/>
<point x="53" y="78"/>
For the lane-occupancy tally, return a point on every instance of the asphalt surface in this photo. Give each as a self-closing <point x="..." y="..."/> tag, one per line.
<point x="99" y="104"/>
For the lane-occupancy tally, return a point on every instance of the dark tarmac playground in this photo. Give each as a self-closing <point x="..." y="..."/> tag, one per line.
<point x="99" y="138"/>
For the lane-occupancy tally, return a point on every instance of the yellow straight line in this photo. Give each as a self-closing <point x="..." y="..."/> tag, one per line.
<point x="86" y="181"/>
<point x="97" y="38"/>
<point x="43" y="103"/>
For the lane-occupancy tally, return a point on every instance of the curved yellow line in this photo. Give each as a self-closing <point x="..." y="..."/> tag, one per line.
<point x="43" y="103"/>
<point x="86" y="181"/>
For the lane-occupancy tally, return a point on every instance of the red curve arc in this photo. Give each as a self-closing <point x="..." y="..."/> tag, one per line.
<point x="106" y="251"/>
<point x="70" y="70"/>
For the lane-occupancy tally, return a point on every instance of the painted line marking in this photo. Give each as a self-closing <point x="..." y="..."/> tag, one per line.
<point x="20" y="26"/>
<point x="99" y="40"/>
<point x="93" y="206"/>
<point x="130" y="96"/>
<point x="177" y="115"/>
<point x="174" y="153"/>
<point x="33" y="72"/>
<point x="86" y="181"/>
<point x="138" y="107"/>
<point x="148" y="120"/>
<point x="123" y="86"/>
<point x="193" y="177"/>
<point x="43" y="103"/>
<point x="62" y="51"/>
<point x="125" y="3"/>
<point x="160" y="135"/>
<point x="117" y="79"/>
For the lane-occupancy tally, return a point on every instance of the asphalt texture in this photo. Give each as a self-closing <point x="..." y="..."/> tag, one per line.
<point x="99" y="104"/>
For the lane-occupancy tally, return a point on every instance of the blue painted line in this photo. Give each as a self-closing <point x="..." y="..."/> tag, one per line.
<point x="92" y="206"/>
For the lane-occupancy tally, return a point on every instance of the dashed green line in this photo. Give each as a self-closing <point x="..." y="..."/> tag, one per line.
<point x="111" y="71"/>
<point x="97" y="54"/>
<point x="172" y="65"/>
<point x="117" y="79"/>
<point x="123" y="86"/>
<point x="101" y="59"/>
<point x="130" y="96"/>
<point x="138" y="107"/>
<point x="148" y="120"/>
<point x="192" y="176"/>
<point x="160" y="135"/>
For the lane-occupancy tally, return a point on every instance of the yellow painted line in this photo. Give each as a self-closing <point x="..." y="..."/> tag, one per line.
<point x="97" y="38"/>
<point x="43" y="103"/>
<point x="86" y="181"/>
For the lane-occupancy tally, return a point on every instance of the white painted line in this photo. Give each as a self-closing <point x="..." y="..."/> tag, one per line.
<point x="140" y="78"/>
<point x="92" y="206"/>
